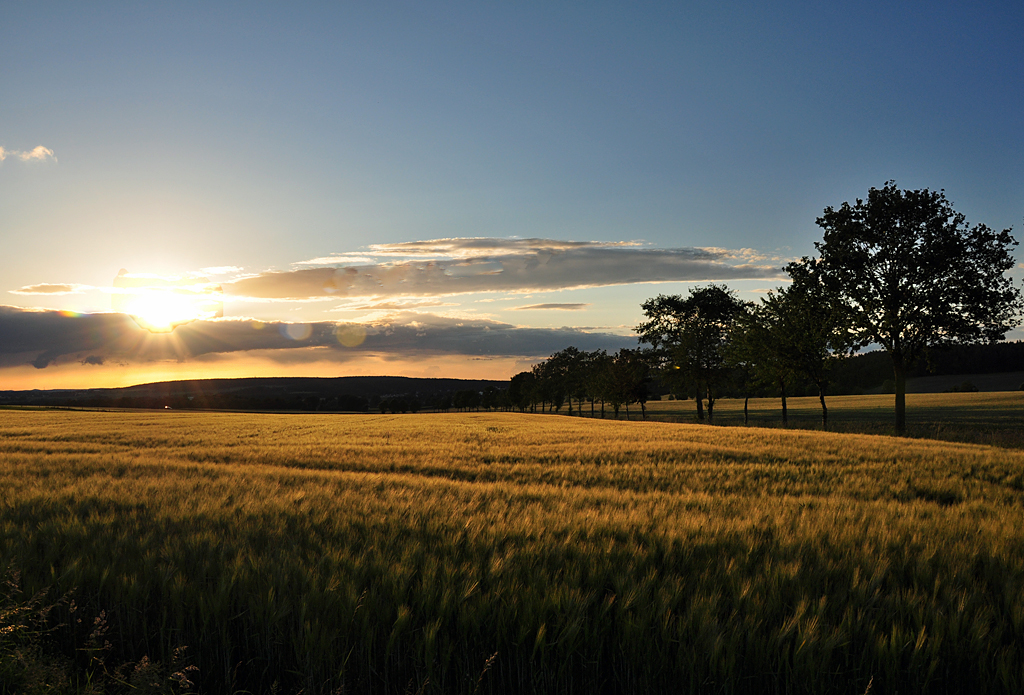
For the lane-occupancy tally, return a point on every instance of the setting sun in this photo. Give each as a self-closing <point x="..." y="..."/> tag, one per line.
<point x="160" y="304"/>
<point x="161" y="311"/>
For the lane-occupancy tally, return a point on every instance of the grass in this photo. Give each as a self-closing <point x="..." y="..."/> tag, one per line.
<point x="495" y="553"/>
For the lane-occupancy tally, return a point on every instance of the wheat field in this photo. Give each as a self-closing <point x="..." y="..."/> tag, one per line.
<point x="509" y="553"/>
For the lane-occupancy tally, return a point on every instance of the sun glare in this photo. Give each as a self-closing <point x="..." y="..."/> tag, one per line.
<point x="161" y="304"/>
<point x="161" y="311"/>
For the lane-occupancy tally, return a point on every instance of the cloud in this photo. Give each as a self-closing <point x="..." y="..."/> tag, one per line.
<point x="221" y="270"/>
<point x="442" y="267"/>
<point x="43" y="338"/>
<point x="559" y="307"/>
<point x="396" y="304"/>
<point x="38" y="153"/>
<point x="52" y="289"/>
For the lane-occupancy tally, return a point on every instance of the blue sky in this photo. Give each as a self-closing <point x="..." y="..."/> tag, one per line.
<point x="228" y="141"/>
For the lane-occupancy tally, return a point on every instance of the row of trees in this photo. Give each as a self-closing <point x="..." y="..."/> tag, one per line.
<point x="491" y="398"/>
<point x="901" y="270"/>
<point x="572" y="376"/>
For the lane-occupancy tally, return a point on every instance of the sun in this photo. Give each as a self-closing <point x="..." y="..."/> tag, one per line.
<point x="161" y="311"/>
<point x="161" y="304"/>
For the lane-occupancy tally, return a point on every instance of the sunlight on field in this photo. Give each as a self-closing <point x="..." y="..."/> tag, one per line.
<point x="377" y="551"/>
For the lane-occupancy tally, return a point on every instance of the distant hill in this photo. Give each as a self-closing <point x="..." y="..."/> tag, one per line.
<point x="350" y="393"/>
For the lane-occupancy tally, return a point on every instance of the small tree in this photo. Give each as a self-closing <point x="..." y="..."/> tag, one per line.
<point x="816" y="327"/>
<point x="633" y="375"/>
<point x="601" y="375"/>
<point x="915" y="275"/>
<point x="758" y="346"/>
<point x="522" y="390"/>
<point x="689" y="335"/>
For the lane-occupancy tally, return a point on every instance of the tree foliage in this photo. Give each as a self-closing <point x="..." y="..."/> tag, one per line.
<point x="914" y="275"/>
<point x="688" y="335"/>
<point x="799" y="330"/>
<point x="572" y="374"/>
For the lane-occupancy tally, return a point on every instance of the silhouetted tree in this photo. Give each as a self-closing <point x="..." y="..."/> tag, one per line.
<point x="758" y="345"/>
<point x="522" y="390"/>
<point x="601" y="377"/>
<point x="565" y="369"/>
<point x="689" y="335"/>
<point x="489" y="399"/>
<point x="915" y="275"/>
<point x="816" y="327"/>
<point x="592" y="365"/>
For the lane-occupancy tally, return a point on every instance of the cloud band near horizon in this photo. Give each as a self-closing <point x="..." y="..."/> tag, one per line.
<point x="42" y="338"/>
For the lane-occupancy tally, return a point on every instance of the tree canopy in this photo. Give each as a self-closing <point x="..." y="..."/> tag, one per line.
<point x="913" y="275"/>
<point x="689" y="335"/>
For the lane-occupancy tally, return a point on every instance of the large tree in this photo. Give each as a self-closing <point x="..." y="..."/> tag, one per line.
<point x="688" y="335"/>
<point x="915" y="275"/>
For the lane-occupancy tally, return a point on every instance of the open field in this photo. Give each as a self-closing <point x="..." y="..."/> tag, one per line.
<point x="491" y="553"/>
<point x="983" y="418"/>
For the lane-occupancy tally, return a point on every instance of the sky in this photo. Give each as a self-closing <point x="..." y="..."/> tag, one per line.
<point x="195" y="190"/>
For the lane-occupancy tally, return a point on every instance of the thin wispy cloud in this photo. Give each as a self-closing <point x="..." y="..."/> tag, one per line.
<point x="222" y="270"/>
<point x="38" y="154"/>
<point x="52" y="289"/>
<point x="398" y="304"/>
<point x="556" y="307"/>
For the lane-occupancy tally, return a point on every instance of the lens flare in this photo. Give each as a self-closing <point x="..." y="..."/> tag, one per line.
<point x="297" y="331"/>
<point x="350" y="334"/>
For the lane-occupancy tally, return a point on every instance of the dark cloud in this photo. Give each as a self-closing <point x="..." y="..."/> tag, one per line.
<point x="458" y="266"/>
<point x="41" y="338"/>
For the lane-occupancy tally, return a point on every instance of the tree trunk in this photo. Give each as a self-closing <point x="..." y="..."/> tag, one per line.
<point x="746" y="401"/>
<point x="711" y="406"/>
<point x="643" y="410"/>
<point x="627" y="411"/>
<point x="602" y="409"/>
<point x="785" y="413"/>
<point x="591" y="408"/>
<point x="824" y="408"/>
<point x="900" y="373"/>
<point x="700" y="406"/>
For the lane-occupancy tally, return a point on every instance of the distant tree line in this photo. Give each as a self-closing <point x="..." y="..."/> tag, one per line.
<point x="462" y="400"/>
<point x="576" y="380"/>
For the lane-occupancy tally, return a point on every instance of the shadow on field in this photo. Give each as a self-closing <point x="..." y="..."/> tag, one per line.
<point x="995" y="419"/>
